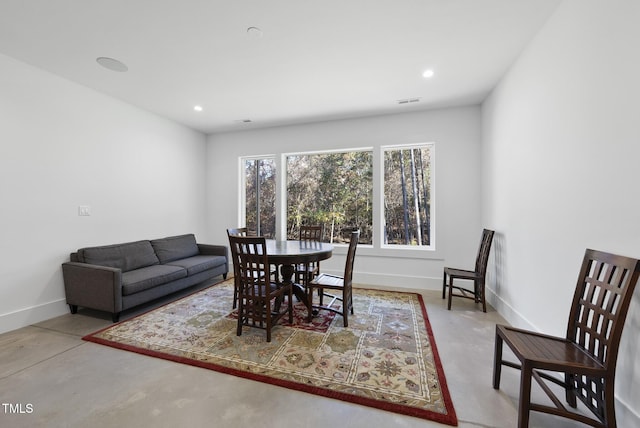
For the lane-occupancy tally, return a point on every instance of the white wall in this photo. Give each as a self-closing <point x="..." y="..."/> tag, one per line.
<point x="456" y="133"/>
<point x="561" y="145"/>
<point x="63" y="145"/>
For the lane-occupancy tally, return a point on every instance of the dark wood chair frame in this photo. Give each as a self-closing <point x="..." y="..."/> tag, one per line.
<point x="341" y="284"/>
<point x="307" y="271"/>
<point x="243" y="231"/>
<point x="586" y="357"/>
<point x="239" y="231"/>
<point x="478" y="275"/>
<point x="259" y="299"/>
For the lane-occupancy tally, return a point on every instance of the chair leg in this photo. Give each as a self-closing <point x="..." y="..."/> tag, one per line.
<point x="497" y="362"/>
<point x="610" y="410"/>
<point x="450" y="292"/>
<point x="345" y="308"/>
<point x="310" y="304"/>
<point x="525" y="395"/>
<point x="268" y="317"/>
<point x="239" y="328"/>
<point x="482" y="297"/>
<point x="568" y="386"/>
<point x="290" y="308"/>
<point x="235" y="296"/>
<point x="444" y="284"/>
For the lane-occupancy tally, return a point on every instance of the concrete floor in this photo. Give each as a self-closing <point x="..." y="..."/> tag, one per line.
<point x="60" y="380"/>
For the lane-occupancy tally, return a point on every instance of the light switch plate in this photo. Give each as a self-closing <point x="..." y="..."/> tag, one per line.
<point x="84" y="210"/>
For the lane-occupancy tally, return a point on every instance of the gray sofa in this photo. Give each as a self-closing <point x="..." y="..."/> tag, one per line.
<point x="114" y="278"/>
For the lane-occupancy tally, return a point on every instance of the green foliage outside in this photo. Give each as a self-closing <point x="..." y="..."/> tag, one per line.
<point x="335" y="190"/>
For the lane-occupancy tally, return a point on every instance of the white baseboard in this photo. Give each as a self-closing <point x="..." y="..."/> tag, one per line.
<point x="511" y="315"/>
<point x="31" y="315"/>
<point x="625" y="415"/>
<point x="420" y="283"/>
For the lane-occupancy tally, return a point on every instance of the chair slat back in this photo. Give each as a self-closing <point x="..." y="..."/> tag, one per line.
<point x="311" y="233"/>
<point x="601" y="301"/>
<point x="351" y="255"/>
<point x="253" y="265"/>
<point x="482" y="259"/>
<point x="600" y="304"/>
<point x="238" y="231"/>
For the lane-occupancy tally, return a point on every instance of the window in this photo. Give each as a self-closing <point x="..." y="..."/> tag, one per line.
<point x="333" y="189"/>
<point x="407" y="195"/>
<point x="260" y="196"/>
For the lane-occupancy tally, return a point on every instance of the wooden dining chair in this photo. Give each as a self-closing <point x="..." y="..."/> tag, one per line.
<point x="339" y="284"/>
<point x="478" y="275"/>
<point x="586" y="357"/>
<point x="259" y="299"/>
<point x="243" y="231"/>
<point x="305" y="272"/>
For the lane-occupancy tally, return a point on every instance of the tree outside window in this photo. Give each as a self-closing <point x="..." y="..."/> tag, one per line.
<point x="407" y="195"/>
<point x="335" y="189"/>
<point x="331" y="189"/>
<point x="260" y="196"/>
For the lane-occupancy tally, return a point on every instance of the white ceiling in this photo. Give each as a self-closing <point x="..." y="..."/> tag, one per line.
<point x="316" y="59"/>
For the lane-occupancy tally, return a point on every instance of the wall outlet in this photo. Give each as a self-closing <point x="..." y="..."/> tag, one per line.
<point x="84" y="210"/>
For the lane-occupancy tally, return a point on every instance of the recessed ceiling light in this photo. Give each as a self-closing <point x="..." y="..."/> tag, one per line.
<point x="197" y="108"/>
<point x="427" y="74"/>
<point x="409" y="100"/>
<point x="254" y="32"/>
<point x="112" y="64"/>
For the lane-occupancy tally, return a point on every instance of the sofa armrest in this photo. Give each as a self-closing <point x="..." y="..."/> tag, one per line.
<point x="93" y="286"/>
<point x="213" y="250"/>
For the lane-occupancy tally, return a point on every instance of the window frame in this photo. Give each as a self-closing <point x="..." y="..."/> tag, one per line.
<point x="284" y="173"/>
<point x="377" y="247"/>
<point x="242" y="191"/>
<point x="432" y="187"/>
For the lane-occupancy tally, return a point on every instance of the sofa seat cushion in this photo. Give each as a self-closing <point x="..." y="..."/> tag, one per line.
<point x="197" y="264"/>
<point x="175" y="247"/>
<point x="148" y="277"/>
<point x="127" y="256"/>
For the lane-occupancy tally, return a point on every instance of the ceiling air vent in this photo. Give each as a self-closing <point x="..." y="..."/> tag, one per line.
<point x="409" y="101"/>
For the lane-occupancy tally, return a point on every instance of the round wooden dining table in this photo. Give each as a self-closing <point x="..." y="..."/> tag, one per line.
<point x="288" y="254"/>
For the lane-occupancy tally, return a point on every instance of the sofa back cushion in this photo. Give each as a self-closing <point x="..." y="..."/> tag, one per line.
<point x="127" y="256"/>
<point x="175" y="247"/>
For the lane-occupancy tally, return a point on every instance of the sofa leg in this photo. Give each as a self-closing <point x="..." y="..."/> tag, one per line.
<point x="116" y="316"/>
<point x="73" y="309"/>
<point x="224" y="276"/>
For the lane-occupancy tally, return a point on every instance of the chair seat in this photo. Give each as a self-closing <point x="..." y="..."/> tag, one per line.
<point x="329" y="281"/>
<point x="548" y="352"/>
<point x="461" y="273"/>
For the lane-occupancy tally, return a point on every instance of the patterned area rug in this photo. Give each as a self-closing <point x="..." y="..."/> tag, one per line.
<point x="386" y="359"/>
